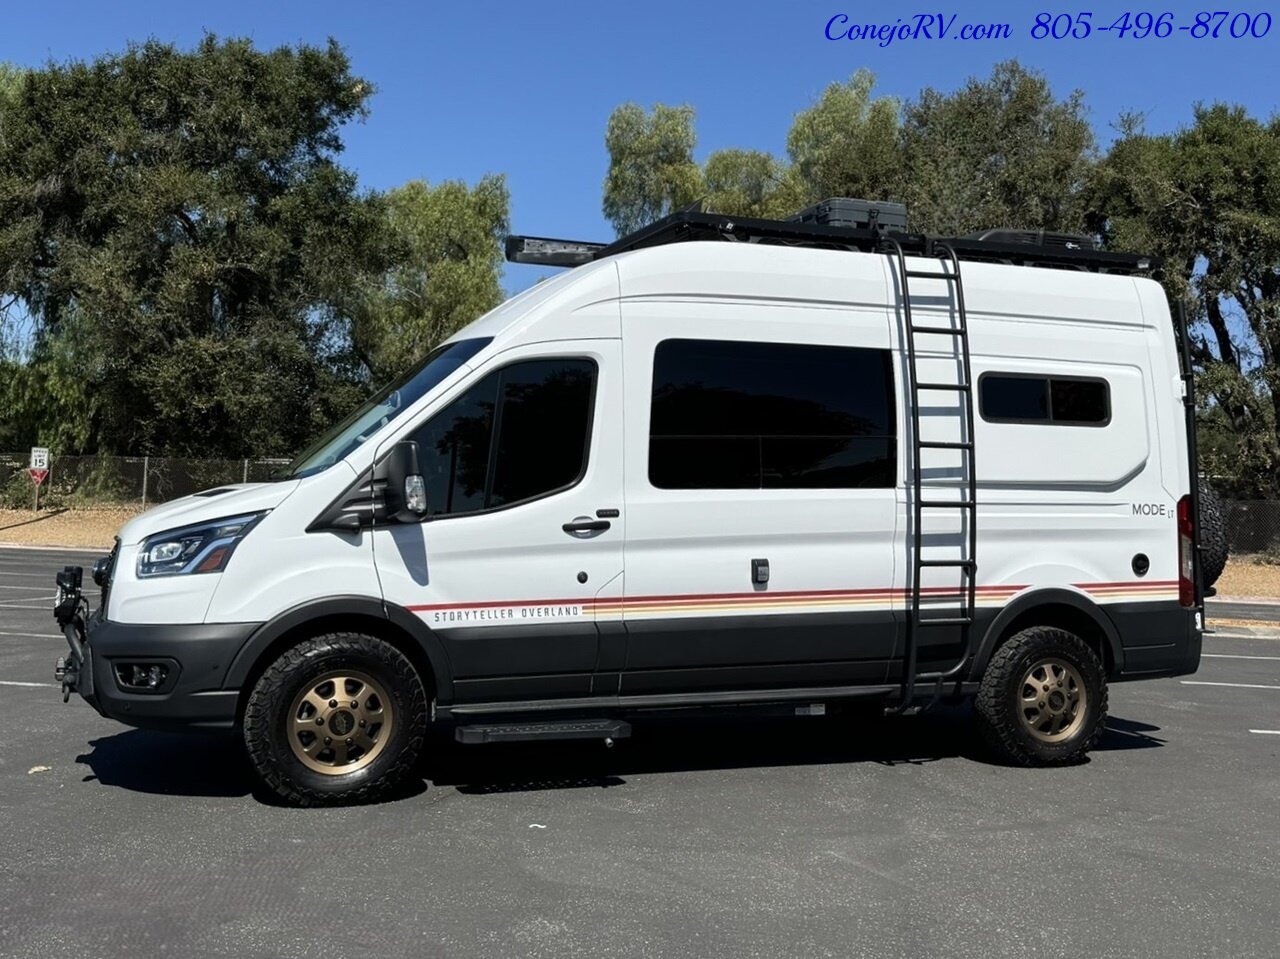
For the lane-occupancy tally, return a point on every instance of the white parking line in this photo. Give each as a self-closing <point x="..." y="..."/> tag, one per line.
<point x="10" y="682"/>
<point x="1234" y="656"/>
<point x="31" y="635"/>
<point x="1266" y="732"/>
<point x="1199" y="682"/>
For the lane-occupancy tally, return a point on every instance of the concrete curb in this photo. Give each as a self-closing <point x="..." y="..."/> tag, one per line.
<point x="1241" y="632"/>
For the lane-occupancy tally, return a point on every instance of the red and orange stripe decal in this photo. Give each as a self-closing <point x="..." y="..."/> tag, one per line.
<point x="768" y="601"/>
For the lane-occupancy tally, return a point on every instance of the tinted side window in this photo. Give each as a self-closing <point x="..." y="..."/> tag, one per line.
<point x="1079" y="401"/>
<point x="736" y="415"/>
<point x="519" y="433"/>
<point x="453" y="450"/>
<point x="1039" y="399"/>
<point x="543" y="429"/>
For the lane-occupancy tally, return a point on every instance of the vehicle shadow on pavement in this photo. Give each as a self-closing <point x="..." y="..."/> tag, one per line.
<point x="168" y="764"/>
<point x="193" y="764"/>
<point x="215" y="765"/>
<point x="726" y="742"/>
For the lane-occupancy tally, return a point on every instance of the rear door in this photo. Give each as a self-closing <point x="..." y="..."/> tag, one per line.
<point x="524" y="534"/>
<point x="770" y="444"/>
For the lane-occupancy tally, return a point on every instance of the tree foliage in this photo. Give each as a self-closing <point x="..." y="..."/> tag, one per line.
<point x="448" y="251"/>
<point x="651" y="167"/>
<point x="189" y="269"/>
<point x="179" y="232"/>
<point x="999" y="152"/>
<point x="1207" y="199"/>
<point x="848" y="143"/>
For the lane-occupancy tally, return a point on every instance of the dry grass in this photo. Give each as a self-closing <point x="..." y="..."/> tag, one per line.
<point x="1244" y="577"/>
<point x="86" y="528"/>
<point x="1216" y="623"/>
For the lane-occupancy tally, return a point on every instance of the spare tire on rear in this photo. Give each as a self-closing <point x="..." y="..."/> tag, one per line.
<point x="1213" y="535"/>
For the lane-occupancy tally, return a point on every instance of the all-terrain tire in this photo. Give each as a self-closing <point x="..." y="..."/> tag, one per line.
<point x="1213" y="536"/>
<point x="269" y="723"/>
<point x="1000" y="702"/>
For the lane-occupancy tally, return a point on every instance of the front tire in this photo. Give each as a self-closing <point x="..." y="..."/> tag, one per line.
<point x="1043" y="698"/>
<point x="337" y="719"/>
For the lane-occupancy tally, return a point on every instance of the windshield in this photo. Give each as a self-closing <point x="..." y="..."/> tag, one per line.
<point x="380" y="409"/>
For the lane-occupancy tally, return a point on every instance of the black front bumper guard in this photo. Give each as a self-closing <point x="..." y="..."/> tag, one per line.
<point x="71" y="610"/>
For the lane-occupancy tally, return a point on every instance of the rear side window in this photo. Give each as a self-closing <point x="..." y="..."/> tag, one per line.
<point x="1026" y="398"/>
<point x="736" y="415"/>
<point x="520" y="433"/>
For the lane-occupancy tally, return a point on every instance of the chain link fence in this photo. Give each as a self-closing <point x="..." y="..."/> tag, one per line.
<point x="102" y="481"/>
<point x="1253" y="526"/>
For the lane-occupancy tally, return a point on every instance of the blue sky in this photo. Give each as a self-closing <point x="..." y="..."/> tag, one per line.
<point x="526" y="89"/>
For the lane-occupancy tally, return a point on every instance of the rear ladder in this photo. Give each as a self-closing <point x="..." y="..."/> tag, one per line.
<point x="926" y="500"/>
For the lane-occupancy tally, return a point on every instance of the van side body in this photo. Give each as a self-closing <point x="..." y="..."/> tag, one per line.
<point x="673" y="565"/>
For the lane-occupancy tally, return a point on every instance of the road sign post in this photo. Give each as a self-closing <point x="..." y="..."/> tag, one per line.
<point x="39" y="471"/>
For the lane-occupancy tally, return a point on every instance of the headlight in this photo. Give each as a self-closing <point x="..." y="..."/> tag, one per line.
<point x="204" y="548"/>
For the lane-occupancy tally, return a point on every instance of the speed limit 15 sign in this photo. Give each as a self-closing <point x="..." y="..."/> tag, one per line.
<point x="39" y="458"/>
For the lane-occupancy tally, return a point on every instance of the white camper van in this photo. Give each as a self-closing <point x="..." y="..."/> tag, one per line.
<point x="718" y="462"/>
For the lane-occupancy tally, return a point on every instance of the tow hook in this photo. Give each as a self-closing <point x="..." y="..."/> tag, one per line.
<point x="68" y="674"/>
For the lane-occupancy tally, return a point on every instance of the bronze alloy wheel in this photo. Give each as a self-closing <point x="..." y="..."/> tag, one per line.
<point x="1052" y="700"/>
<point x="340" y="722"/>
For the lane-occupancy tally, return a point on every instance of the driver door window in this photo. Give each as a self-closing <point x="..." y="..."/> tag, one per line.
<point x="520" y="433"/>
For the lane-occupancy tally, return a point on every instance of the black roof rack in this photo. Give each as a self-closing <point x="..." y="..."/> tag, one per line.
<point x="693" y="225"/>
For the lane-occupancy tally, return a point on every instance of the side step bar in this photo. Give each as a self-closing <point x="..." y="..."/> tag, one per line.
<point x="523" y="732"/>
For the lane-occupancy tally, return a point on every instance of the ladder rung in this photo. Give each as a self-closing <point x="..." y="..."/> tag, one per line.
<point x="949" y="621"/>
<point x="948" y="503"/>
<point x="941" y="330"/>
<point x="957" y="563"/>
<point x="944" y="445"/>
<point x="958" y="387"/>
<point x="933" y="275"/>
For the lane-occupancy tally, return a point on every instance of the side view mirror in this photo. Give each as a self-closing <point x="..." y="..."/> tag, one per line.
<point x="405" y="495"/>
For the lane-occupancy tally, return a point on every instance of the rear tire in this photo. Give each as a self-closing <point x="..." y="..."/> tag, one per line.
<point x="1043" y="698"/>
<point x="335" y="720"/>
<point x="1214" y="548"/>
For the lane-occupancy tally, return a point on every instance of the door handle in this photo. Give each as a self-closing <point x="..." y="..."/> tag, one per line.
<point x="586" y="526"/>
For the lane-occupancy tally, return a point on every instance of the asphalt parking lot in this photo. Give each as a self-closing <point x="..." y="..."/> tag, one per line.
<point x="708" y="837"/>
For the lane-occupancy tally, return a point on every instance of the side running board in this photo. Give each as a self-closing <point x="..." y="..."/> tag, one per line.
<point x="607" y="729"/>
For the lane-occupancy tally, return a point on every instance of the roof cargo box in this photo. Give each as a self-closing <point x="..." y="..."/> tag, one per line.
<point x="860" y="214"/>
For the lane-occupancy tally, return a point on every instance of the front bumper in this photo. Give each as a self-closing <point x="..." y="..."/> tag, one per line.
<point x="196" y="657"/>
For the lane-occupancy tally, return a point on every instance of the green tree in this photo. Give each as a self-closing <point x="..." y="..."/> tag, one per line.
<point x="848" y="143"/>
<point x="749" y="183"/>
<point x="651" y="167"/>
<point x="181" y="237"/>
<point x="448" y="241"/>
<point x="1207" y="199"/>
<point x="999" y="152"/>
